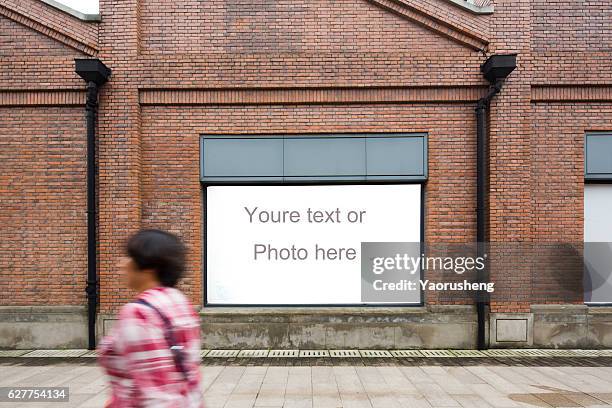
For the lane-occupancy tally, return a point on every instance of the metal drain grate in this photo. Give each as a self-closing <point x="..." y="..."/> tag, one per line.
<point x="314" y="353"/>
<point x="438" y="353"/>
<point x="605" y="353"/>
<point x="204" y="352"/>
<point x="13" y="353"/>
<point x="283" y="353"/>
<point x="375" y="353"/>
<point x="501" y="353"/>
<point x="56" y="353"/>
<point x="90" y="354"/>
<point x="527" y="353"/>
<point x="468" y="353"/>
<point x="222" y="353"/>
<point x="253" y="353"/>
<point x="562" y="353"/>
<point x="587" y="353"/>
<point x="344" y="353"/>
<point x="406" y="353"/>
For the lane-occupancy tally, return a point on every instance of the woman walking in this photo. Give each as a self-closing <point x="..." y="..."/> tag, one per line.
<point x="152" y="354"/>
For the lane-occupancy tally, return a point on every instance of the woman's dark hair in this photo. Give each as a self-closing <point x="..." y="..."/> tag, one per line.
<point x="158" y="250"/>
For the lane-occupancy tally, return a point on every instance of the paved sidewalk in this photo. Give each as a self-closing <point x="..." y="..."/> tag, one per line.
<point x="376" y="386"/>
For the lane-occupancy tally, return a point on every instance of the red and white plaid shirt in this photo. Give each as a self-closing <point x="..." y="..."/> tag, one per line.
<point x="138" y="359"/>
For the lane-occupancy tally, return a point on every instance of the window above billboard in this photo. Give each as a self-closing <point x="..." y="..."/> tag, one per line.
<point x="598" y="156"/>
<point x="307" y="158"/>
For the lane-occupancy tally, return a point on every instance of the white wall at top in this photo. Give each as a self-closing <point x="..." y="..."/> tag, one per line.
<point x="84" y="6"/>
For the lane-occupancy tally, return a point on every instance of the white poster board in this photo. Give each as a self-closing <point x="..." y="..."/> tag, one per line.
<point x="299" y="245"/>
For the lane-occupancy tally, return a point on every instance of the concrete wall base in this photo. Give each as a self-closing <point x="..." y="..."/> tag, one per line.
<point x="431" y="327"/>
<point x="338" y="328"/>
<point x="334" y="327"/>
<point x="553" y="326"/>
<point x="43" y="327"/>
<point x="572" y="326"/>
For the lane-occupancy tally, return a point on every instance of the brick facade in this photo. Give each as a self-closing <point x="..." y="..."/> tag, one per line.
<point x="186" y="67"/>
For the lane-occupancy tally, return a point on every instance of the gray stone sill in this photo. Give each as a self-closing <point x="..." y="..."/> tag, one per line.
<point x="600" y="309"/>
<point x="41" y="309"/>
<point x="332" y="311"/>
<point x="569" y="309"/>
<point x="310" y="311"/>
<point x="472" y="8"/>
<point x="561" y="308"/>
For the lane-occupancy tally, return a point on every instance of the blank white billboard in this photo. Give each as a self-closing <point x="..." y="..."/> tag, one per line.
<point x="299" y="245"/>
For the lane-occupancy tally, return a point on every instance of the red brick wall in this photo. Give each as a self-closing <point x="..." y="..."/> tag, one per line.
<point x="15" y="39"/>
<point x="30" y="60"/>
<point x="557" y="167"/>
<point x="172" y="195"/>
<point x="43" y="247"/>
<point x="54" y="19"/>
<point x="273" y="27"/>
<point x="42" y="168"/>
<point x="571" y="26"/>
<point x="149" y="124"/>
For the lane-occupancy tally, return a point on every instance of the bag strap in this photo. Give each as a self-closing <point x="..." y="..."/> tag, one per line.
<point x="176" y="349"/>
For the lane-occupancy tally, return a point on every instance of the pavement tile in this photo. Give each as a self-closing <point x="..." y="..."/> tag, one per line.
<point x="557" y="400"/>
<point x="584" y="400"/>
<point x="314" y="383"/>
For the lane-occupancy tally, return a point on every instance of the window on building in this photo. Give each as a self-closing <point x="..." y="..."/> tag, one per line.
<point x="285" y="216"/>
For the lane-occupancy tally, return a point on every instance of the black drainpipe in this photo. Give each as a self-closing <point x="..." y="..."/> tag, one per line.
<point x="495" y="70"/>
<point x="95" y="73"/>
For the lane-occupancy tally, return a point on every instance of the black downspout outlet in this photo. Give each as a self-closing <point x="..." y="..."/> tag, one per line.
<point x="96" y="74"/>
<point x="495" y="69"/>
